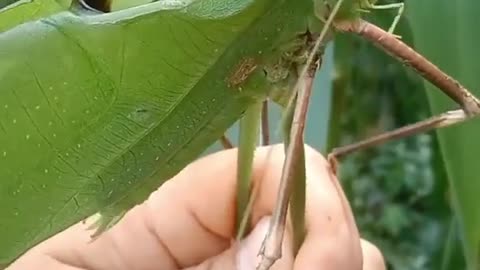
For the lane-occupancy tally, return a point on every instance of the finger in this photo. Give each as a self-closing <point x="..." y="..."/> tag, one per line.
<point x="40" y="261"/>
<point x="208" y="198"/>
<point x="179" y="227"/>
<point x="243" y="256"/>
<point x="332" y="240"/>
<point x="372" y="257"/>
<point x="190" y="218"/>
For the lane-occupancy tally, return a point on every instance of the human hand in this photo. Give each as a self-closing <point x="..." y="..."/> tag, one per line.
<point x="189" y="222"/>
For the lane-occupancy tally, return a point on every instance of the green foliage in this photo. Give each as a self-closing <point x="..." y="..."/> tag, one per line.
<point x="97" y="110"/>
<point x="448" y="36"/>
<point x="71" y="144"/>
<point x="398" y="190"/>
<point x="124" y="4"/>
<point x="13" y="13"/>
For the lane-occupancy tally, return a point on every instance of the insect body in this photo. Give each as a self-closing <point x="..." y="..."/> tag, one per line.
<point x="129" y="111"/>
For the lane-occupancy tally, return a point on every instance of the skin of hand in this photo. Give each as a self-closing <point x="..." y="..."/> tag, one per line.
<point x="189" y="223"/>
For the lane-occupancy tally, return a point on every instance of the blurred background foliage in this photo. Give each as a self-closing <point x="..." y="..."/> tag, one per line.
<point x="446" y="32"/>
<point x="399" y="191"/>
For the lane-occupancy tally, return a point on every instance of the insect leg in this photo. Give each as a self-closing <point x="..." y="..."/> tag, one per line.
<point x="442" y="120"/>
<point x="272" y="244"/>
<point x="265" y="124"/>
<point x="249" y="133"/>
<point x="405" y="54"/>
<point x="294" y="160"/>
<point x="226" y="143"/>
<point x="400" y="9"/>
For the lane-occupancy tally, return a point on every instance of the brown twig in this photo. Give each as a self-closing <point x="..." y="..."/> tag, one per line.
<point x="265" y="124"/>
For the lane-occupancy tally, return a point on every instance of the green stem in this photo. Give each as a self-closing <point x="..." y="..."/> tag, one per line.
<point x="249" y="132"/>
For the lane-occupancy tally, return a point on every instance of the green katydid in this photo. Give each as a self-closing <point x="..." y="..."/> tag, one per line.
<point x="126" y="115"/>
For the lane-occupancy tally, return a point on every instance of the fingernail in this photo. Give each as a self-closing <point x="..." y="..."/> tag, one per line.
<point x="247" y="255"/>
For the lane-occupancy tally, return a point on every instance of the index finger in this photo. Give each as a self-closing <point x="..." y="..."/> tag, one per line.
<point x="192" y="216"/>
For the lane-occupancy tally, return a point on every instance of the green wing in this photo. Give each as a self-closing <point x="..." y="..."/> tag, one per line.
<point x="97" y="111"/>
<point x="17" y="12"/>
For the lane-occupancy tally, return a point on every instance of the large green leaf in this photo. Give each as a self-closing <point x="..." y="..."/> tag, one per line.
<point x="446" y="32"/>
<point x="98" y="110"/>
<point x="17" y="12"/>
<point x="123" y="4"/>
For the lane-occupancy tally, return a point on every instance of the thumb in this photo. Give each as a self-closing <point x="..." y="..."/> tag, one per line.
<point x="244" y="255"/>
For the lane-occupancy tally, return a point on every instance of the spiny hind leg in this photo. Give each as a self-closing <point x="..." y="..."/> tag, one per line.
<point x="438" y="121"/>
